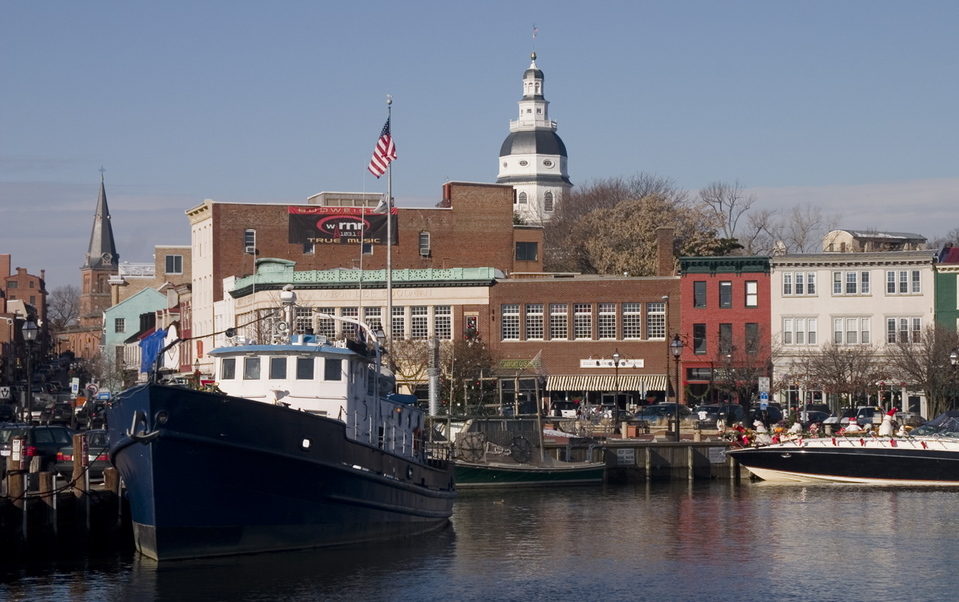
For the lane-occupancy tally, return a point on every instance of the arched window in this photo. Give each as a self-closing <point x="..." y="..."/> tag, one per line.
<point x="548" y="202"/>
<point x="523" y="198"/>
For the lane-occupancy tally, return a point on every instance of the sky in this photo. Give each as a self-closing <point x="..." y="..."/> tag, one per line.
<point x="850" y="106"/>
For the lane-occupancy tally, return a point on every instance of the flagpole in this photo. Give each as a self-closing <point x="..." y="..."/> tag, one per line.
<point x="388" y="323"/>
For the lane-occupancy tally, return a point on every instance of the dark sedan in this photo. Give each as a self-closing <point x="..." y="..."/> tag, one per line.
<point x="97" y="455"/>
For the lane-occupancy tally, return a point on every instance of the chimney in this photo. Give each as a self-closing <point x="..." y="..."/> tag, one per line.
<point x="4" y="265"/>
<point x="665" y="257"/>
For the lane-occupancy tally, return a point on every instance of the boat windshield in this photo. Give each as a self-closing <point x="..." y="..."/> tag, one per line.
<point x="944" y="425"/>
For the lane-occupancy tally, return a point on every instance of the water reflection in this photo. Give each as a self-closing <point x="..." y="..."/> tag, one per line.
<point x="673" y="541"/>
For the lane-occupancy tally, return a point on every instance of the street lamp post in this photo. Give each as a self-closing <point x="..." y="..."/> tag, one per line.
<point x="954" y="360"/>
<point x="615" y="411"/>
<point x="676" y="348"/>
<point x="29" y="336"/>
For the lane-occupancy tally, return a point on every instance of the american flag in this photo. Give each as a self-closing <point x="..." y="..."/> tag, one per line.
<point x="383" y="153"/>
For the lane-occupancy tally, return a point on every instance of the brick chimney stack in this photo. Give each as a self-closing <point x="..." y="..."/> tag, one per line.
<point x="665" y="257"/>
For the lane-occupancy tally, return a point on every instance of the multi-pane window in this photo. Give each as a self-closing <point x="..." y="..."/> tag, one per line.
<point x="903" y="282"/>
<point x="119" y="325"/>
<point x="509" y="322"/>
<point x="326" y="326"/>
<point x="903" y="330"/>
<point x="725" y="294"/>
<point x="419" y="322"/>
<point x="632" y="320"/>
<point x="864" y="283"/>
<point x="303" y="320"/>
<point x="699" y="293"/>
<point x="699" y="339"/>
<point x="548" y="202"/>
<point x="349" y="330"/>
<point x="373" y="316"/>
<point x="851" y="331"/>
<point x="558" y="321"/>
<point x="656" y="320"/>
<point x="799" y="331"/>
<point x="752" y="337"/>
<point x="837" y="283"/>
<point x="443" y="322"/>
<point x="582" y="321"/>
<point x="852" y="283"/>
<point x="398" y="323"/>
<point x="607" y="320"/>
<point x="752" y="293"/>
<point x="174" y="264"/>
<point x="534" y="321"/>
<point x="249" y="240"/>
<point x="805" y="283"/>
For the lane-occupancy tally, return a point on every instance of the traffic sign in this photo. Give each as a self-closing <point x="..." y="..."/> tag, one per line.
<point x="93" y="389"/>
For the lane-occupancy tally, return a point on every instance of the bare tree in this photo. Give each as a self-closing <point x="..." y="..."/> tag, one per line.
<point x="729" y="202"/>
<point x="565" y="233"/>
<point x="410" y="360"/>
<point x="924" y="364"/>
<point x="63" y="307"/>
<point x="465" y="363"/>
<point x="848" y="371"/>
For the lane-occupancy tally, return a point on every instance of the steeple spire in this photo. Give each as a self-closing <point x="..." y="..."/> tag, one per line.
<point x="102" y="253"/>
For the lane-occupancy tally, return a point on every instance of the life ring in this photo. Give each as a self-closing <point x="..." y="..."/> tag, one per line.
<point x="417" y="439"/>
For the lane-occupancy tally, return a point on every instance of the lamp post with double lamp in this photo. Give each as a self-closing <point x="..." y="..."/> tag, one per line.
<point x="954" y="360"/>
<point x="676" y="348"/>
<point x="614" y="414"/>
<point x="29" y="336"/>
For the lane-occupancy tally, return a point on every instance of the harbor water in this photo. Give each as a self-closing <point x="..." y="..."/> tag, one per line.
<point x="660" y="541"/>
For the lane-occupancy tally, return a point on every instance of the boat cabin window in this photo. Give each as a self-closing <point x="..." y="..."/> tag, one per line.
<point x="251" y="368"/>
<point x="333" y="369"/>
<point x="228" y="369"/>
<point x="304" y="368"/>
<point x="277" y="368"/>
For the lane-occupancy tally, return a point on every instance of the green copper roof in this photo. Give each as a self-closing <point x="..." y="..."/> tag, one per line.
<point x="275" y="273"/>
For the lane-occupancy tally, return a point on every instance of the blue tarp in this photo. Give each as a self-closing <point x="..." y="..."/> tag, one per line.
<point x="150" y="346"/>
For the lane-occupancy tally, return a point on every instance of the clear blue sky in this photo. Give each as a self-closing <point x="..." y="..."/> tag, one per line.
<point x="851" y="105"/>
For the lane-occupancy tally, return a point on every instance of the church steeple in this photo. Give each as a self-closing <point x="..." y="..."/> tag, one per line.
<point x="102" y="262"/>
<point x="533" y="157"/>
<point x="102" y="252"/>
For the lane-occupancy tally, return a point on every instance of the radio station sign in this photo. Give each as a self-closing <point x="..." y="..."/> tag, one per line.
<point x="608" y="363"/>
<point x="339" y="225"/>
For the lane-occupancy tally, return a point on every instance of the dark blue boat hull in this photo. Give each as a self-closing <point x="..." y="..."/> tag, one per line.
<point x="211" y="475"/>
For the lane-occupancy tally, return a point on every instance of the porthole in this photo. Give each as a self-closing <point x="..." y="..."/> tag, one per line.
<point x="523" y="163"/>
<point x="547" y="163"/>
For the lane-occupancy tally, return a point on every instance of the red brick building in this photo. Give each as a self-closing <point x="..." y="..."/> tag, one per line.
<point x="564" y="331"/>
<point x="472" y="226"/>
<point x="725" y="327"/>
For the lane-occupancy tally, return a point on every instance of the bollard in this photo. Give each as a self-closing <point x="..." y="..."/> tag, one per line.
<point x="48" y="497"/>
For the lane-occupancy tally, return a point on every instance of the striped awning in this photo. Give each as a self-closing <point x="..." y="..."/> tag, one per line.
<point x="606" y="382"/>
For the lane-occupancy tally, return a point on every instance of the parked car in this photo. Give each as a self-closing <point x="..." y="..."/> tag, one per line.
<point x="773" y="412"/>
<point x="91" y="414"/>
<point x="912" y="419"/>
<point x="840" y="418"/>
<point x="97" y="455"/>
<point x="41" y="441"/>
<point x="814" y="417"/>
<point x="730" y="413"/>
<point x="57" y="413"/>
<point x="662" y="412"/>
